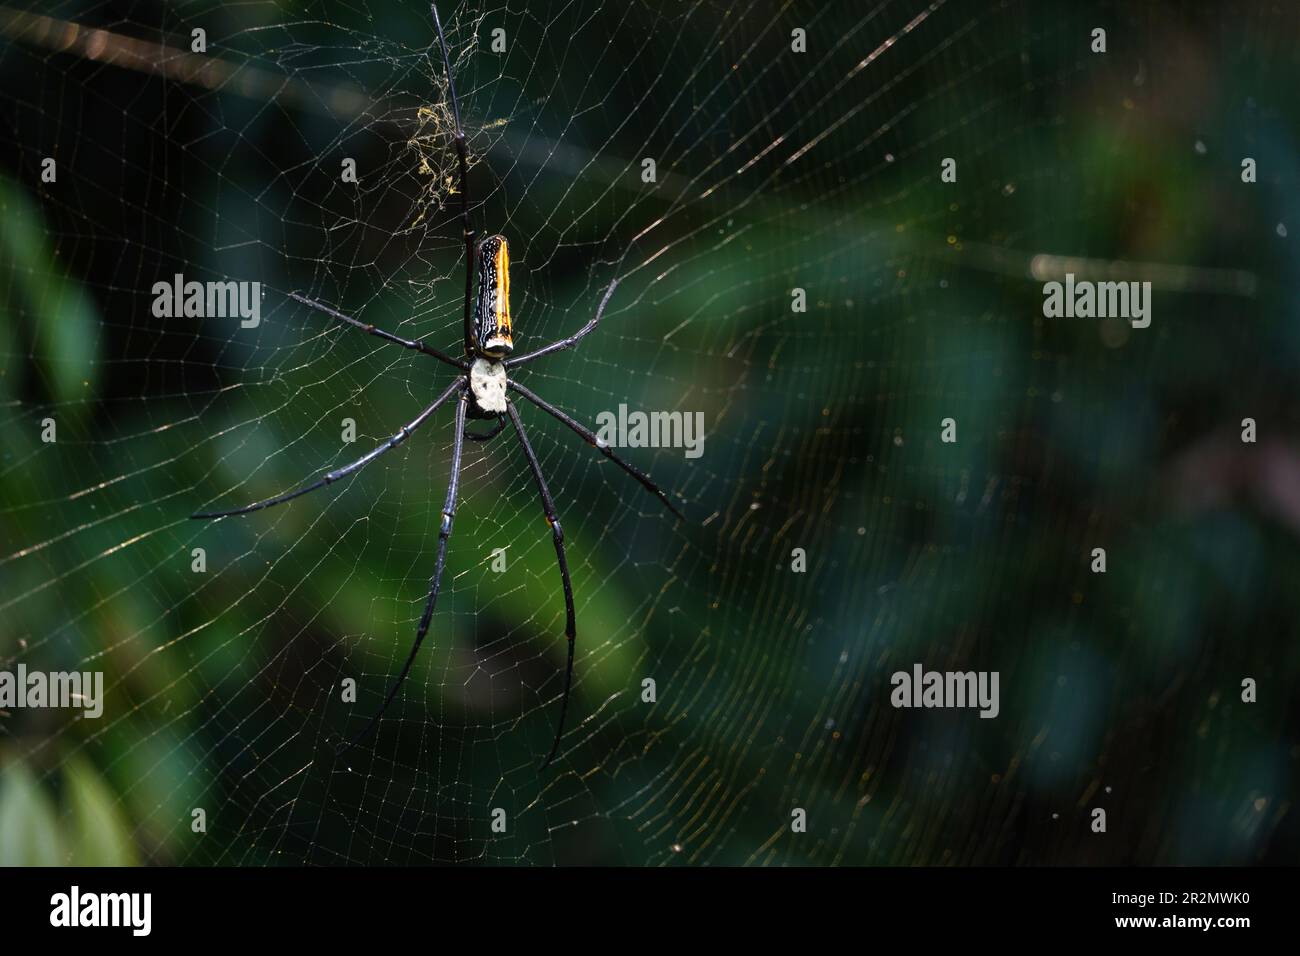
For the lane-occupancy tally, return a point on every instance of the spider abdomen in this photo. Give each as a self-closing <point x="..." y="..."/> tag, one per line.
<point x="487" y="382"/>
<point x="492" y="331"/>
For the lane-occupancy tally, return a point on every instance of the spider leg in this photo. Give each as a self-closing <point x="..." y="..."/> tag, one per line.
<point x="435" y="582"/>
<point x="497" y="429"/>
<point x="387" y="336"/>
<point x="338" y="473"/>
<point x="462" y="158"/>
<point x="572" y="339"/>
<point x="557" y="534"/>
<point x="590" y="437"/>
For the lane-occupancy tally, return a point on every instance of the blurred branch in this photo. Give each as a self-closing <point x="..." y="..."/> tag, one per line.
<point x="352" y="103"/>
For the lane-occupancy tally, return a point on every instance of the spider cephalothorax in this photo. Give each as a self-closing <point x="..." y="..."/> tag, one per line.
<point x="482" y="389"/>
<point x="487" y="384"/>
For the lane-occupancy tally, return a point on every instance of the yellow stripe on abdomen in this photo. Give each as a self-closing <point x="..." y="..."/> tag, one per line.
<point x="503" y="289"/>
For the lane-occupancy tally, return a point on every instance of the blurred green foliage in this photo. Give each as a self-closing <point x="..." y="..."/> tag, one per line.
<point x="1121" y="690"/>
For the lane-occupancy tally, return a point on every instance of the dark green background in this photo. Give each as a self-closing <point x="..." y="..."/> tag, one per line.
<point x="1119" y="691"/>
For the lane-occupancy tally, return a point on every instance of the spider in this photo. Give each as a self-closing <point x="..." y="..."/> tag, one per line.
<point x="482" y="392"/>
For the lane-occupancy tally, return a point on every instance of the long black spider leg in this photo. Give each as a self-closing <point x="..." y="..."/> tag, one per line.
<point x="557" y="534"/>
<point x="387" y="336"/>
<point x="402" y="434"/>
<point x="462" y="156"/>
<point x="572" y="339"/>
<point x="590" y="436"/>
<point x="497" y="429"/>
<point x="435" y="582"/>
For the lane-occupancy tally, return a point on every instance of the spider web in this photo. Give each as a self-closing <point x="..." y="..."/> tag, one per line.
<point x="774" y="171"/>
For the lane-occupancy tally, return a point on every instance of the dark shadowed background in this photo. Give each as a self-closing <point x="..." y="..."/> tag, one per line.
<point x="775" y="170"/>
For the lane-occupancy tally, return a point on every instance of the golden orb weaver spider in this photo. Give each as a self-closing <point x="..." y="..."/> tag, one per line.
<point x="481" y="390"/>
